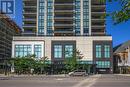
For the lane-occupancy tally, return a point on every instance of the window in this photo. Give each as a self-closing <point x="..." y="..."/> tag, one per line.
<point x="107" y="51"/>
<point x="38" y="51"/>
<point x="57" y="51"/>
<point x="98" y="51"/>
<point x="22" y="50"/>
<point x="41" y="17"/>
<point x="103" y="64"/>
<point x="68" y="51"/>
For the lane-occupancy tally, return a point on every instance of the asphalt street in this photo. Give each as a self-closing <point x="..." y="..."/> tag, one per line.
<point x="50" y="81"/>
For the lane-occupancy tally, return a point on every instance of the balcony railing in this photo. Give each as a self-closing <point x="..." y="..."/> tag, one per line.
<point x="64" y="18"/>
<point x="63" y="24"/>
<point x="64" y="4"/>
<point x="64" y="11"/>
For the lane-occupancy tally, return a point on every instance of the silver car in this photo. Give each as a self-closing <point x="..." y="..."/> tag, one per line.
<point x="78" y="73"/>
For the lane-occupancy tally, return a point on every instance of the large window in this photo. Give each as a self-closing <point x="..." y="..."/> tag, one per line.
<point x="22" y="50"/>
<point x="77" y="17"/>
<point x="57" y="51"/>
<point x="38" y="51"/>
<point x="41" y="17"/>
<point x="49" y="17"/>
<point x="107" y="51"/>
<point x="103" y="64"/>
<point x="86" y="16"/>
<point x="68" y="51"/>
<point x="98" y="51"/>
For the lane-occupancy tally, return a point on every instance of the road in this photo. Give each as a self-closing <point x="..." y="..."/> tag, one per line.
<point x="50" y="81"/>
<point x="113" y="81"/>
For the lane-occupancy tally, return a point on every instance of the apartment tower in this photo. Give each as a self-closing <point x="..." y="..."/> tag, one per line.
<point x="52" y="27"/>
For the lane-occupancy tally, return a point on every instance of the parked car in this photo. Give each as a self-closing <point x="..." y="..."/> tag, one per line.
<point x="78" y="73"/>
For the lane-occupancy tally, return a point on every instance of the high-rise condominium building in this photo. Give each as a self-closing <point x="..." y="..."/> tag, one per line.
<point x="8" y="28"/>
<point x="55" y="28"/>
<point x="64" y="17"/>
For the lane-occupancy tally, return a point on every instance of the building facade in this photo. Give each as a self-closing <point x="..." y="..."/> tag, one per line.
<point x="54" y="27"/>
<point x="64" y="17"/>
<point x="8" y="29"/>
<point x="122" y="58"/>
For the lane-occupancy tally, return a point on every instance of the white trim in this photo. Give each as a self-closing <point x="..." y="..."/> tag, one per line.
<point x="32" y="43"/>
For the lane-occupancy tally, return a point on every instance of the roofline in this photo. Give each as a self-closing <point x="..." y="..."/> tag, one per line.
<point x="10" y="21"/>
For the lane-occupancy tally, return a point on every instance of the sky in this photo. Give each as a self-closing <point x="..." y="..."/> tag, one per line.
<point x="120" y="32"/>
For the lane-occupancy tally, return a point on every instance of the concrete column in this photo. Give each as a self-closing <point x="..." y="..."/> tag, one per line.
<point x="37" y="17"/>
<point x="13" y="49"/>
<point x="81" y="14"/>
<point x="43" y="51"/>
<point x="32" y="48"/>
<point x="53" y="16"/>
<point x="90" y="33"/>
<point x="45" y="19"/>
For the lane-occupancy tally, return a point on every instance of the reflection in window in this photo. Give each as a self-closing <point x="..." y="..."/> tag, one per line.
<point x="38" y="51"/>
<point x="22" y="50"/>
<point x="86" y="16"/>
<point x="57" y="51"/>
<point x="98" y="51"/>
<point x="77" y="17"/>
<point x="41" y="17"/>
<point x="107" y="51"/>
<point x="68" y="51"/>
<point x="103" y="64"/>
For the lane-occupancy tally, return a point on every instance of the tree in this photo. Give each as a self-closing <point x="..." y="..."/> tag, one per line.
<point x="43" y="62"/>
<point x="121" y="15"/>
<point x="72" y="63"/>
<point x="23" y="65"/>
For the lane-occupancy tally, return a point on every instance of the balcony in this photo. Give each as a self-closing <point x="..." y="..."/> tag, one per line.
<point x="64" y="4"/>
<point x="99" y="23"/>
<point x="29" y="19"/>
<point x="98" y="6"/>
<point x="29" y="26"/>
<point x="98" y="16"/>
<point x="96" y="2"/>
<point x="63" y="31"/>
<point x="98" y="26"/>
<point x="29" y="13"/>
<point x="64" y="18"/>
<point x="98" y="34"/>
<point x="98" y="13"/>
<point x="65" y="11"/>
<point x="98" y="20"/>
<point x="65" y="25"/>
<point x="26" y="7"/>
<point x="29" y="2"/>
<point x="63" y="1"/>
<point x="64" y="8"/>
<point x="98" y="10"/>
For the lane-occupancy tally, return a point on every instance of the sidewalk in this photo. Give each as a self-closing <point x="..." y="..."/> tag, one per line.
<point x="14" y="75"/>
<point x="123" y="74"/>
<point x="41" y="77"/>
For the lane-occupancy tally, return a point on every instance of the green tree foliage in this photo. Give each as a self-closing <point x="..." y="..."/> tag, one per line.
<point x="23" y="65"/>
<point x="73" y="63"/>
<point x="121" y="15"/>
